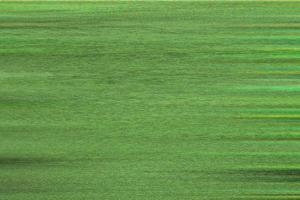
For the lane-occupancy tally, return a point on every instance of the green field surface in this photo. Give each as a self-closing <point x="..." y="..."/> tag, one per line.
<point x="150" y="100"/>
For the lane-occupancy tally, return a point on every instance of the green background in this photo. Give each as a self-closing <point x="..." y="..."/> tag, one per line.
<point x="149" y="100"/>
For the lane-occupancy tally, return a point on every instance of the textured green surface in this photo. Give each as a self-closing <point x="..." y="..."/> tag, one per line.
<point x="149" y="100"/>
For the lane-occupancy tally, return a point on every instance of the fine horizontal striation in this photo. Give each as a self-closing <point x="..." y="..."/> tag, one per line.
<point x="30" y="161"/>
<point x="147" y="100"/>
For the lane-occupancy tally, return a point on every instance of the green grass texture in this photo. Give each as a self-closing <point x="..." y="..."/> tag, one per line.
<point x="149" y="100"/>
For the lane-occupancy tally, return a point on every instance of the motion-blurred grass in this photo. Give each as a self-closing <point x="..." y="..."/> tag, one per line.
<point x="149" y="100"/>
